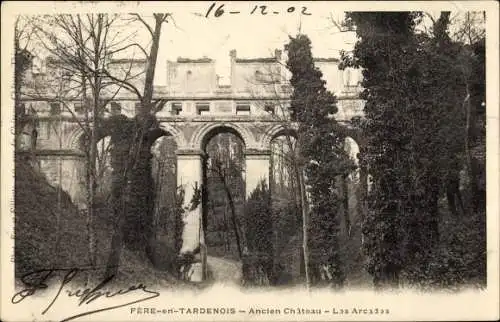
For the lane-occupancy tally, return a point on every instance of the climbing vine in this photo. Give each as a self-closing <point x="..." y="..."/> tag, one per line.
<point x="132" y="188"/>
<point x="258" y="261"/>
<point x="323" y="159"/>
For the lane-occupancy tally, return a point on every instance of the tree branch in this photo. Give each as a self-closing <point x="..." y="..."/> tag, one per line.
<point x="139" y="18"/>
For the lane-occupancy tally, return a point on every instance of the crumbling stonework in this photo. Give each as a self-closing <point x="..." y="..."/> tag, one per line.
<point x="253" y="107"/>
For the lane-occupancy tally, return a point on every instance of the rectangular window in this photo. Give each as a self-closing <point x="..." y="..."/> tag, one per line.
<point x="115" y="108"/>
<point x="269" y="108"/>
<point x="224" y="107"/>
<point x="55" y="108"/>
<point x="79" y="107"/>
<point x="202" y="108"/>
<point x="176" y="108"/>
<point x="242" y="109"/>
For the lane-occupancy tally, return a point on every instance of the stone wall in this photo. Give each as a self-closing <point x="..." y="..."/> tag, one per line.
<point x="67" y="172"/>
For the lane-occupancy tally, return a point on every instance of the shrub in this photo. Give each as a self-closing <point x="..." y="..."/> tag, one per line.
<point x="258" y="261"/>
<point x="38" y="205"/>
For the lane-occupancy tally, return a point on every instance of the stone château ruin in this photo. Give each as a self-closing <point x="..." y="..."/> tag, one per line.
<point x="197" y="107"/>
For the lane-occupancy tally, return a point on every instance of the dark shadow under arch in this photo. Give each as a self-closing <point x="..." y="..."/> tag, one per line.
<point x="223" y="197"/>
<point x="219" y="130"/>
<point x="284" y="132"/>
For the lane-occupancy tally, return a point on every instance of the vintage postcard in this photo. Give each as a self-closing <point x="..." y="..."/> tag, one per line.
<point x="241" y="161"/>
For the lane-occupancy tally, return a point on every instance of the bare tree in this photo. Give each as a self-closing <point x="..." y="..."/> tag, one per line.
<point x="224" y="172"/>
<point x="83" y="47"/>
<point x="79" y="49"/>
<point x="468" y="27"/>
<point x="22" y="62"/>
<point x="148" y="108"/>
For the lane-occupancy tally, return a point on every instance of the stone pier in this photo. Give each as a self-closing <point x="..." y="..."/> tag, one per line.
<point x="189" y="178"/>
<point x="257" y="169"/>
<point x="196" y="108"/>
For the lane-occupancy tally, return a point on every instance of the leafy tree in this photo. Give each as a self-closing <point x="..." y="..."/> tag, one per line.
<point x="258" y="219"/>
<point x="322" y="159"/>
<point x="432" y="119"/>
<point x="258" y="263"/>
<point x="417" y="121"/>
<point x="454" y="100"/>
<point x="385" y="42"/>
<point x="462" y="69"/>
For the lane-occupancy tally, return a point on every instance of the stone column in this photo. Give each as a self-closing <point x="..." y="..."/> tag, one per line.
<point x="257" y="168"/>
<point x="189" y="177"/>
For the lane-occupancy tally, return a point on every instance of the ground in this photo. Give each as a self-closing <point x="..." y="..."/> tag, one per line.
<point x="224" y="270"/>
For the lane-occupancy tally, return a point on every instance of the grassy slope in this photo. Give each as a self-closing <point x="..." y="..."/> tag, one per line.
<point x="38" y="207"/>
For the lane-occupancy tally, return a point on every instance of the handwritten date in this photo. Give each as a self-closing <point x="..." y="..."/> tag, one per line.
<point x="262" y="10"/>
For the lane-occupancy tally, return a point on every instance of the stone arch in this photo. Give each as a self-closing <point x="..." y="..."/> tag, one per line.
<point x="275" y="131"/>
<point x="204" y="133"/>
<point x="221" y="202"/>
<point x="75" y="139"/>
<point x="166" y="129"/>
<point x="352" y="148"/>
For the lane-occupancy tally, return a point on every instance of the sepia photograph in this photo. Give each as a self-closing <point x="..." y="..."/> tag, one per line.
<point x="249" y="161"/>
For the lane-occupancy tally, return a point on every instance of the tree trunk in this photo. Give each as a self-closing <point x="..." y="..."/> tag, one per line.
<point x="388" y="278"/>
<point x="233" y="214"/>
<point x="226" y="230"/>
<point x="135" y="148"/>
<point x="150" y="71"/>
<point x="92" y="183"/>
<point x="301" y="203"/>
<point x="305" y="226"/>
<point x="453" y="194"/>
<point x="362" y="206"/>
<point x="116" y="248"/>
<point x="19" y="111"/>
<point x="300" y="199"/>
<point x="345" y="202"/>
<point x="119" y="202"/>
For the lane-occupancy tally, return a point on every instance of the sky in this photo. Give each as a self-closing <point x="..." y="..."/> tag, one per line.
<point x="252" y="35"/>
<point x="193" y="34"/>
<point x="196" y="34"/>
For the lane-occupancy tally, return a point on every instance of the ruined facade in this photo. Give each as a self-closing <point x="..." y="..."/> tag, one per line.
<point x="253" y="106"/>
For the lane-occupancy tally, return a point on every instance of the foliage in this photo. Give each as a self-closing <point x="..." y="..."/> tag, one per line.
<point x="286" y="219"/>
<point x="287" y="224"/>
<point x="477" y="131"/>
<point x="437" y="138"/>
<point x="384" y="43"/>
<point x="37" y="206"/>
<point x="415" y="87"/>
<point x="38" y="209"/>
<point x="163" y="252"/>
<point x="178" y="221"/>
<point x="133" y="210"/>
<point x="258" y="262"/>
<point x="258" y="221"/>
<point x="459" y="260"/>
<point x="323" y="157"/>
